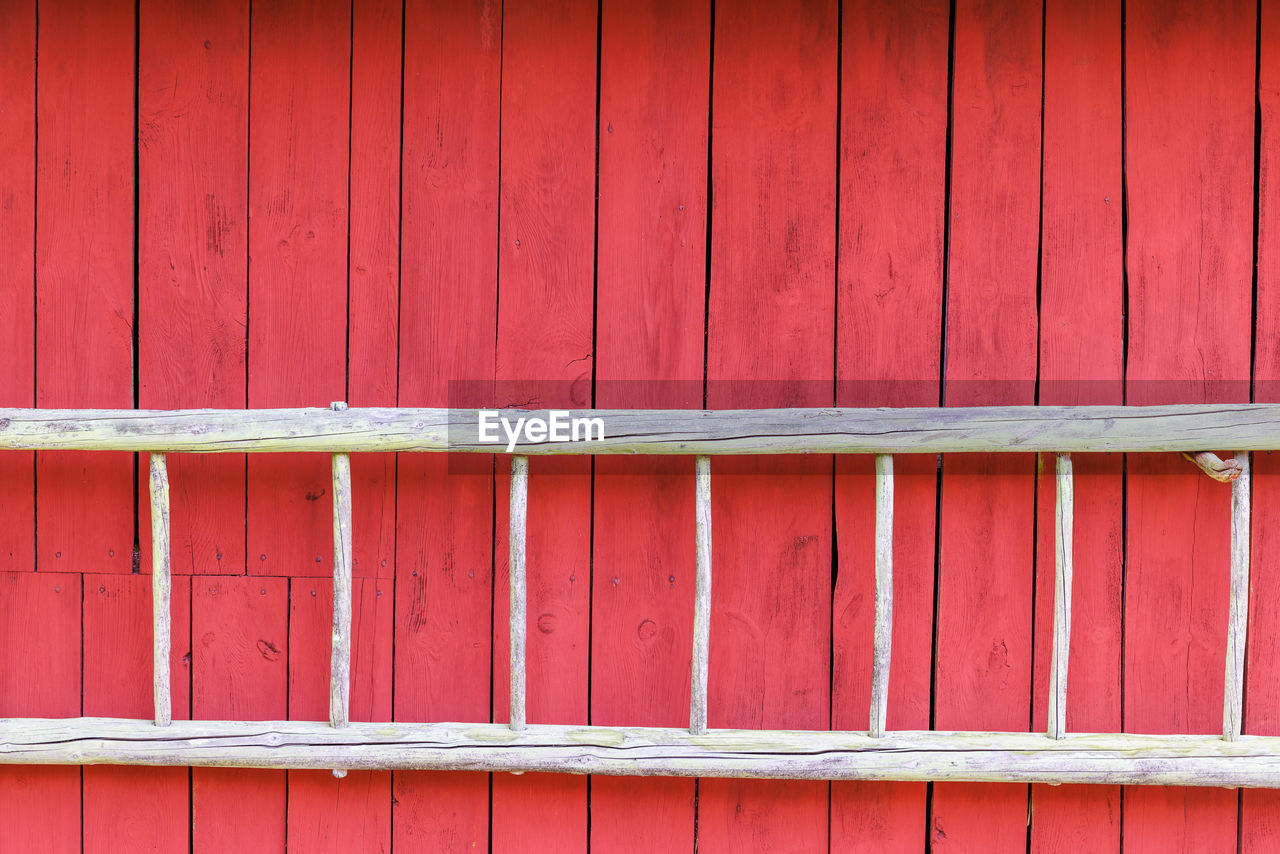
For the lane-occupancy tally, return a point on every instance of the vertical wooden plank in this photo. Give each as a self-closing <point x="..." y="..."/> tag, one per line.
<point x="1082" y="362"/>
<point x="298" y="161"/>
<point x="546" y="250"/>
<point x="1189" y="139"/>
<point x="984" y="643"/>
<point x="84" y="273"/>
<point x="136" y="809"/>
<point x="888" y="353"/>
<point x="193" y="135"/>
<point x="444" y="528"/>
<point x="352" y="813"/>
<point x="17" y="271"/>
<point x="40" y="621"/>
<point x="771" y="342"/>
<point x="1260" y="810"/>
<point x="374" y="266"/>
<point x="298" y="243"/>
<point x="239" y="640"/>
<point x="84" y="315"/>
<point x="651" y="276"/>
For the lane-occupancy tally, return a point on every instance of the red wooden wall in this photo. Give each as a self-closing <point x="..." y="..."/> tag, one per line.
<point x="622" y="204"/>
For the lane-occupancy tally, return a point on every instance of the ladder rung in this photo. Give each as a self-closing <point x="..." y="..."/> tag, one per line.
<point x="1238" y="616"/>
<point x="340" y="662"/>
<point x="160" y="588"/>
<point x="701" y="595"/>
<point x="518" y="583"/>
<point x="882" y="642"/>
<point x="1063" y="538"/>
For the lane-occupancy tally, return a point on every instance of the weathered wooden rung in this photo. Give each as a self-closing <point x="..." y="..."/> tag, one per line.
<point x="1238" y="616"/>
<point x="519" y="588"/>
<point x="882" y="639"/>
<point x="1063" y="538"/>
<point x="340" y="660"/>
<point x="160" y="589"/>
<point x="701" y="596"/>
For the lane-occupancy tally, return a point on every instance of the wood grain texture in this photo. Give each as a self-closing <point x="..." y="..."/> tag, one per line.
<point x="373" y="267"/>
<point x="770" y="341"/>
<point x="239" y="670"/>
<point x="136" y="809"/>
<point x="1238" y="610"/>
<point x="161" y="591"/>
<point x="882" y="634"/>
<point x="1190" y="101"/>
<point x="17" y="271"/>
<point x="84" y="273"/>
<point x="650" y="292"/>
<point x="352" y="813"/>
<point x="1082" y="362"/>
<point x="40" y="620"/>
<point x="546" y="251"/>
<point x="743" y="432"/>
<point x="987" y="525"/>
<point x="1260" y="811"/>
<point x="888" y="353"/>
<point x="298" y="187"/>
<point x="449" y="279"/>
<point x="730" y="754"/>
<point x="193" y="137"/>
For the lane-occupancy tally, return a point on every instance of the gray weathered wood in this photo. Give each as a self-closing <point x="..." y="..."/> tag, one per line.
<point x="1063" y="525"/>
<point x="1179" y="760"/>
<point x="340" y="653"/>
<point x="519" y="586"/>
<point x="768" y="431"/>
<point x="701" y="595"/>
<point x="160" y="587"/>
<point x="882" y="640"/>
<point x="1238" y="616"/>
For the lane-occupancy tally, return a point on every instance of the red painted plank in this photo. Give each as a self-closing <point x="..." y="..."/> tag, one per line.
<point x="1189" y="126"/>
<point x="984" y="643"/>
<point x="373" y="269"/>
<point x="771" y="343"/>
<point x="298" y="160"/>
<point x="135" y="809"/>
<point x="84" y="273"/>
<point x="1082" y="362"/>
<point x="239" y="640"/>
<point x="40" y="622"/>
<point x="654" y="89"/>
<point x="1260" y="811"/>
<point x="546" y="246"/>
<point x="449" y="278"/>
<point x="17" y="271"/>
<point x="354" y="813"/>
<point x="193" y="90"/>
<point x="893" y="159"/>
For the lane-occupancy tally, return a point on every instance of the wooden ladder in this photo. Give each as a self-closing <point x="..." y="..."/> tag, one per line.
<point x="1056" y="756"/>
